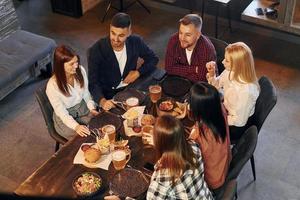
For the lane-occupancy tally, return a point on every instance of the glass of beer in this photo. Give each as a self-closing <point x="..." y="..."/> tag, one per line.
<point x="155" y="93"/>
<point x="147" y="136"/>
<point x="110" y="131"/>
<point x="131" y="102"/>
<point x="120" y="158"/>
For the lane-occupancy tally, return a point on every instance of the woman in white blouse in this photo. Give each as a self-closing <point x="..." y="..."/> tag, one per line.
<point x="239" y="85"/>
<point x="67" y="91"/>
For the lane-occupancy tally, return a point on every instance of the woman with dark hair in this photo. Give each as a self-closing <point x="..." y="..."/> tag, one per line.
<point x="211" y="132"/>
<point x="179" y="171"/>
<point x="67" y="91"/>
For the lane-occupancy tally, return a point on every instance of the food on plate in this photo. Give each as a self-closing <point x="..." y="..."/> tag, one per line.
<point x="132" y="114"/>
<point x="87" y="183"/>
<point x="103" y="145"/>
<point x="85" y="147"/>
<point x="166" y="105"/>
<point x="178" y="110"/>
<point x="92" y="155"/>
<point x="147" y="119"/>
<point x="137" y="129"/>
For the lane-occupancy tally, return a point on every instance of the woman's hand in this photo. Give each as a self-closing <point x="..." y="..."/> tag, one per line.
<point x="112" y="197"/>
<point x="194" y="133"/>
<point x="211" y="69"/>
<point x="94" y="112"/>
<point x="82" y="130"/>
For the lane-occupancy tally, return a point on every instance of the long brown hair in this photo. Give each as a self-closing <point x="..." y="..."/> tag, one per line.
<point x="175" y="153"/>
<point x="63" y="54"/>
<point x="242" y="62"/>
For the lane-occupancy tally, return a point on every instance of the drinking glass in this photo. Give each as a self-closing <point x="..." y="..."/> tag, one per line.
<point x="155" y="93"/>
<point x="110" y="131"/>
<point x="120" y="158"/>
<point x="147" y="135"/>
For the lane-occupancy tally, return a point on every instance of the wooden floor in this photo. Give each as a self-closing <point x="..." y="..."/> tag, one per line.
<point x="25" y="143"/>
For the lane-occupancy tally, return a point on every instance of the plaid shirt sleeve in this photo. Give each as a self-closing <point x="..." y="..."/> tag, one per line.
<point x="190" y="186"/>
<point x="176" y="61"/>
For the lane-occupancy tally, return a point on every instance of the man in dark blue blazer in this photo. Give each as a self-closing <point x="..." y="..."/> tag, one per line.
<point x="112" y="61"/>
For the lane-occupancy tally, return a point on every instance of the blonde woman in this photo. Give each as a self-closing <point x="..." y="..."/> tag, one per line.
<point x="239" y="85"/>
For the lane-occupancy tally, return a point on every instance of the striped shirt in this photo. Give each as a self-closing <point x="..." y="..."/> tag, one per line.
<point x="176" y="62"/>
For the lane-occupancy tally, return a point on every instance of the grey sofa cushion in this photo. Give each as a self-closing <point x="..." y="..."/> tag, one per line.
<point x="21" y="50"/>
<point x="8" y="19"/>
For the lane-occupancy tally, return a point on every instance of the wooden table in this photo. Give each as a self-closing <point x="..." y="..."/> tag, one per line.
<point x="54" y="178"/>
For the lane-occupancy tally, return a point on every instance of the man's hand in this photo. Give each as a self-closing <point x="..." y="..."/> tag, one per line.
<point x="211" y="69"/>
<point x="132" y="76"/>
<point x="106" y="104"/>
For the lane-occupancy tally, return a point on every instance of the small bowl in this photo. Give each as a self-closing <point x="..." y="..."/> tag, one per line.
<point x="89" y="192"/>
<point x="164" y="100"/>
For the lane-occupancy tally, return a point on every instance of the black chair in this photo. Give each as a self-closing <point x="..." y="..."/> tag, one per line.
<point x="230" y="190"/>
<point x="265" y="102"/>
<point x="47" y="111"/>
<point x="220" y="46"/>
<point x="241" y="153"/>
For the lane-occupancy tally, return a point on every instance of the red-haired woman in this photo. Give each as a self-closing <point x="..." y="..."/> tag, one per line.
<point x="67" y="91"/>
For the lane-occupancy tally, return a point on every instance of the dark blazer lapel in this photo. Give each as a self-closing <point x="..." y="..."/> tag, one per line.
<point x="111" y="58"/>
<point x="129" y="56"/>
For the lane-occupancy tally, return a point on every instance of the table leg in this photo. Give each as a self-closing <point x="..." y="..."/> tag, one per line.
<point x="216" y="21"/>
<point x="203" y="5"/>
<point x="121" y="6"/>
<point x="106" y="11"/>
<point x="229" y="17"/>
<point x="143" y="5"/>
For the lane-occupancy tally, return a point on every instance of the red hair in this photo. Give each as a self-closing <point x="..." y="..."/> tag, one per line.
<point x="63" y="54"/>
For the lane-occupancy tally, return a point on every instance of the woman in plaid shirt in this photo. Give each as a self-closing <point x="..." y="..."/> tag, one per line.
<point x="179" y="173"/>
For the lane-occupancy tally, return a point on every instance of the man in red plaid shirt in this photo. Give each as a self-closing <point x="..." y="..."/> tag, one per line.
<point x="189" y="50"/>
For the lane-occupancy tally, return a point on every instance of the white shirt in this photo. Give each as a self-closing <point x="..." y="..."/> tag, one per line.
<point x="188" y="55"/>
<point x="61" y="103"/>
<point x="121" y="58"/>
<point x="239" y="98"/>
